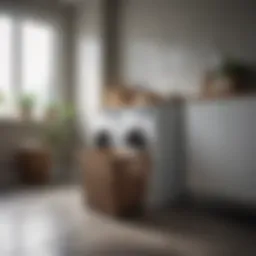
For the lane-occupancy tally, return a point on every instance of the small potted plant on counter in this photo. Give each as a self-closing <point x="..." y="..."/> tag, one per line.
<point x="231" y="77"/>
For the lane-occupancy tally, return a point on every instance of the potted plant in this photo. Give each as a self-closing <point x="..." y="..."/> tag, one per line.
<point x="233" y="76"/>
<point x="57" y="133"/>
<point x="41" y="163"/>
<point x="27" y="103"/>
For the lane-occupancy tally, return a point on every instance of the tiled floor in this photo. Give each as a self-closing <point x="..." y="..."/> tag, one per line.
<point x="56" y="223"/>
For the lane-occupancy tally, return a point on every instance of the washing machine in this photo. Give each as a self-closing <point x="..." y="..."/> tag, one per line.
<point x="161" y="130"/>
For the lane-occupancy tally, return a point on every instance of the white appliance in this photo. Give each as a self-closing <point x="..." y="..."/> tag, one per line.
<point x="161" y="127"/>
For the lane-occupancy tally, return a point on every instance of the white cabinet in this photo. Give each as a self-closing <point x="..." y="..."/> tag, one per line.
<point x="221" y="148"/>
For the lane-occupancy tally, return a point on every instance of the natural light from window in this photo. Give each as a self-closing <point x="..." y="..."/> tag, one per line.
<point x="6" y="93"/>
<point x="37" y="62"/>
<point x="27" y="63"/>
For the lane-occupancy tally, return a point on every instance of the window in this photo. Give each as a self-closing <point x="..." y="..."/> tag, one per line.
<point x="37" y="62"/>
<point x="27" y="62"/>
<point x="6" y="30"/>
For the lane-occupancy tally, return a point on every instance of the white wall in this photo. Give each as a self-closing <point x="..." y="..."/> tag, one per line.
<point x="168" y="44"/>
<point x="89" y="62"/>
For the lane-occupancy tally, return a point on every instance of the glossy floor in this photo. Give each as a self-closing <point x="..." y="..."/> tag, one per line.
<point x="57" y="223"/>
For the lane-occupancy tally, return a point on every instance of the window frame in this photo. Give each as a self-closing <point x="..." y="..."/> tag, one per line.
<point x="19" y="18"/>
